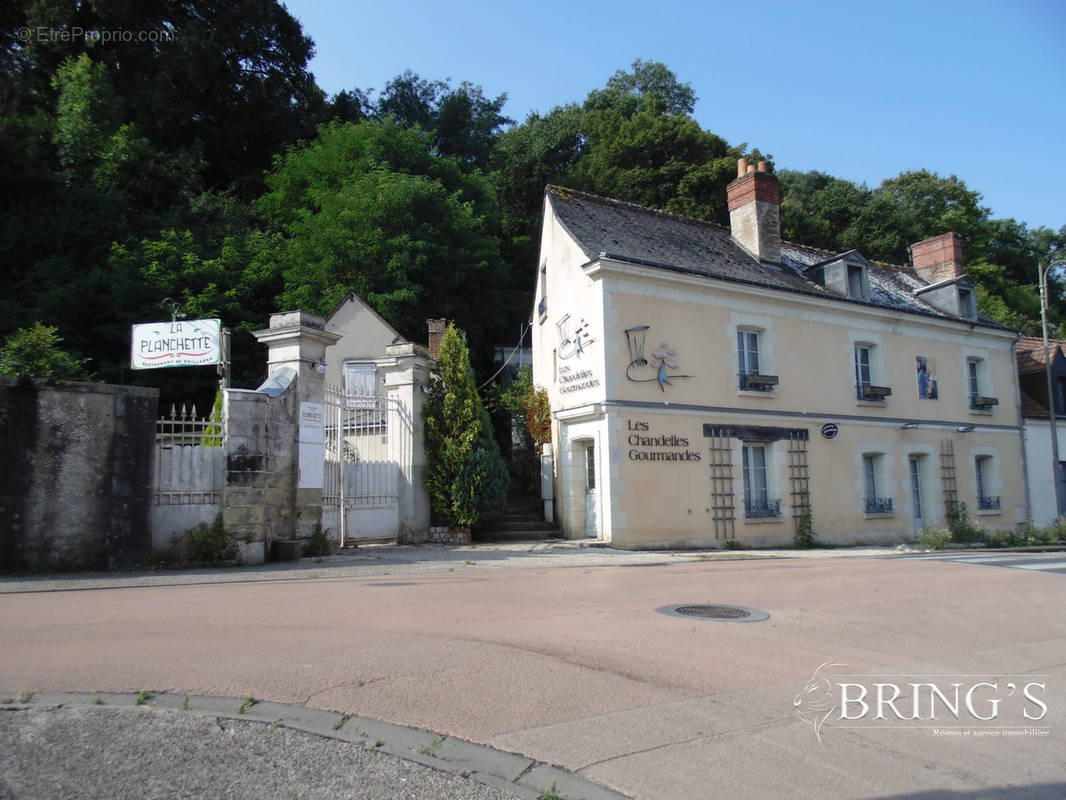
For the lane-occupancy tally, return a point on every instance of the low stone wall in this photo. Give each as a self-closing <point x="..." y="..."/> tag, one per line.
<point x="76" y="475"/>
<point x="445" y="535"/>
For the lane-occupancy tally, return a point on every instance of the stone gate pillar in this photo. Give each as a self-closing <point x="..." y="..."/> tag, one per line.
<point x="297" y="343"/>
<point x="407" y="375"/>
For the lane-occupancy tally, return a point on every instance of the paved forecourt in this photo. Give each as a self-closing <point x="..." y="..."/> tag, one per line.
<point x="577" y="667"/>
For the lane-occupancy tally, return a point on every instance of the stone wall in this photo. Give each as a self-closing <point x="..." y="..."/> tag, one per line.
<point x="259" y="496"/>
<point x="76" y="475"/>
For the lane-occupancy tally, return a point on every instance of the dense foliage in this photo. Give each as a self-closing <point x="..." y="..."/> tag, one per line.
<point x="465" y="475"/>
<point x="204" y="165"/>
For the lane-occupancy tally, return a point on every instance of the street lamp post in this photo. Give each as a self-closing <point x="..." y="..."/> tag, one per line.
<point x="1056" y="470"/>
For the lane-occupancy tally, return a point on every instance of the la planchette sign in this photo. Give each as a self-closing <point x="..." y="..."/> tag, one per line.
<point x="181" y="343"/>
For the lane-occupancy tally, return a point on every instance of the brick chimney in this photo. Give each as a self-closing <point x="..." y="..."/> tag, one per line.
<point x="755" y="211"/>
<point x="436" y="336"/>
<point x="939" y="258"/>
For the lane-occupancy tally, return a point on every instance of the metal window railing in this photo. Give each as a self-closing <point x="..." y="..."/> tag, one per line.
<point x="866" y="391"/>
<point x="755" y="382"/>
<point x="762" y="508"/>
<point x="878" y="505"/>
<point x="987" y="503"/>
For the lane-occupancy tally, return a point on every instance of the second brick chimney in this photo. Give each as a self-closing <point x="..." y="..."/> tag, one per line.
<point x="939" y="258"/>
<point x="755" y="211"/>
<point x="436" y="336"/>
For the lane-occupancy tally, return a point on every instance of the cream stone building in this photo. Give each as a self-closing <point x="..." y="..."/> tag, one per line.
<point x="710" y="384"/>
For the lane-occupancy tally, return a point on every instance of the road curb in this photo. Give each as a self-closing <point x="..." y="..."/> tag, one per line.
<point x="520" y="775"/>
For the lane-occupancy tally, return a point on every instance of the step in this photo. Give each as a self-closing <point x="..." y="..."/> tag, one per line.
<point x="519" y="525"/>
<point x="513" y="536"/>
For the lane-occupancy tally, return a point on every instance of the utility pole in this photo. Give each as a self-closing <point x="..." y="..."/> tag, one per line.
<point x="1056" y="470"/>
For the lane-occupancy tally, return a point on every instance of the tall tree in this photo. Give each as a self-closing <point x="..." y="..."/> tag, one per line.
<point x="464" y="123"/>
<point x="372" y="208"/>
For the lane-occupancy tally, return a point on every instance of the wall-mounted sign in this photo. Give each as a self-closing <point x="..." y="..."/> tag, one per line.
<point x="312" y="445"/>
<point x="830" y="430"/>
<point x="643" y="370"/>
<point x="180" y="343"/>
<point x="576" y="380"/>
<point x="572" y="344"/>
<point x="645" y="445"/>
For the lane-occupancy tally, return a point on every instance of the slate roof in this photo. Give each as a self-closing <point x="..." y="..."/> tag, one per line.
<point x="606" y="228"/>
<point x="1030" y="354"/>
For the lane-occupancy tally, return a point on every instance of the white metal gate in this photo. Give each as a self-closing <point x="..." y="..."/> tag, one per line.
<point x="367" y="453"/>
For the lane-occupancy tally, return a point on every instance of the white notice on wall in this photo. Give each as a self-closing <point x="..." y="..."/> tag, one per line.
<point x="312" y="447"/>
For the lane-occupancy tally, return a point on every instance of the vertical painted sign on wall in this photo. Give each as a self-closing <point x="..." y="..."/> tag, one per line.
<point x="312" y="445"/>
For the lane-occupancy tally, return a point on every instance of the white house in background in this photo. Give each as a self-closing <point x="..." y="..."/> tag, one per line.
<point x="354" y="362"/>
<point x="374" y="458"/>
<point x="1032" y="377"/>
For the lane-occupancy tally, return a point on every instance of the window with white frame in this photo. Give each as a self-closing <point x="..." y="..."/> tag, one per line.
<point x="984" y="472"/>
<point x="757" y="500"/>
<point x="865" y="358"/>
<point x="977" y="385"/>
<point x="973" y="376"/>
<point x="874" y="501"/>
<point x="360" y="380"/>
<point x="748" y="352"/>
<point x="749" y="361"/>
<point x="916" y="470"/>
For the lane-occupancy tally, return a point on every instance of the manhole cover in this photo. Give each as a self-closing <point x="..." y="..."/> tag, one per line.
<point x="721" y="613"/>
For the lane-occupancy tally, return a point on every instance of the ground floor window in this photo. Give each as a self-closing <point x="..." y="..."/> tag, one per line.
<point x="875" y="503"/>
<point x="757" y="499"/>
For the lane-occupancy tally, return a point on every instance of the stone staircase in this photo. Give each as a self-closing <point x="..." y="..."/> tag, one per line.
<point x="522" y="519"/>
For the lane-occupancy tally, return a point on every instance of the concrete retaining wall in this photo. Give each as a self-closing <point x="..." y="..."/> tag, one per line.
<point x="76" y="475"/>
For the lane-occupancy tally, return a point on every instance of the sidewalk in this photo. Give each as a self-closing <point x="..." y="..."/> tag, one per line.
<point x="387" y="559"/>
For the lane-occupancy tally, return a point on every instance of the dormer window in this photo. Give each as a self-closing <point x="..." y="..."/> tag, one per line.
<point x="967" y="304"/>
<point x="855" y="283"/>
<point x="845" y="275"/>
<point x="954" y="296"/>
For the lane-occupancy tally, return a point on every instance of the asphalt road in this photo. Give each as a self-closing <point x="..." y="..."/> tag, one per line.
<point x="569" y="661"/>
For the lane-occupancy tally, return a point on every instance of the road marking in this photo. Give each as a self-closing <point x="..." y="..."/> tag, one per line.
<point x="1041" y="565"/>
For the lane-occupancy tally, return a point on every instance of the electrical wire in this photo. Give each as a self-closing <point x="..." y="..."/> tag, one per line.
<point x="521" y="338"/>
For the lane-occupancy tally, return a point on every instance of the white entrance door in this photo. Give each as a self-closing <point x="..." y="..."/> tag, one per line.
<point x="591" y="523"/>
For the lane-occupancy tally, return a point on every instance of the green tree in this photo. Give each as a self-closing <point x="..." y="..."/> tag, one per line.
<point x="464" y="123"/>
<point x="465" y="475"/>
<point x="35" y="353"/>
<point x="371" y="208"/>
<point x="651" y="87"/>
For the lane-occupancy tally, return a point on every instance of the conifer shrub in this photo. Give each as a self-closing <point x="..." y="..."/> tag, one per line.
<point x="465" y="475"/>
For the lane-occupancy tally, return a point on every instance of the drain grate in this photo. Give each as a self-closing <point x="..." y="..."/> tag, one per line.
<point x="721" y="613"/>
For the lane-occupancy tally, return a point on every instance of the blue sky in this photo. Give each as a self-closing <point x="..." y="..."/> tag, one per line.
<point x="862" y="91"/>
